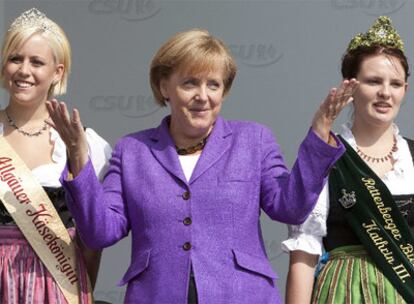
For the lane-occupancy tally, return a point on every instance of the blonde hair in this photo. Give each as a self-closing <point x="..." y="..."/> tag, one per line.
<point x="194" y="50"/>
<point x="17" y="35"/>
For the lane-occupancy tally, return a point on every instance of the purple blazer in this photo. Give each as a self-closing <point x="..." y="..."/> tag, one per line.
<point x="211" y="222"/>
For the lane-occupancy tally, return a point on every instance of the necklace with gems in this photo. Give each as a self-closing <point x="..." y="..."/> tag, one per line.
<point x="378" y="159"/>
<point x="12" y="123"/>
<point x="192" y="149"/>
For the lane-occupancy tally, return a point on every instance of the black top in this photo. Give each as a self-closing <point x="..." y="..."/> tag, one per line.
<point x="57" y="196"/>
<point x="341" y="234"/>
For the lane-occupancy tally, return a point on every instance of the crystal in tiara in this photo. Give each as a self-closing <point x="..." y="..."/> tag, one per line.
<point x="380" y="33"/>
<point x="33" y="18"/>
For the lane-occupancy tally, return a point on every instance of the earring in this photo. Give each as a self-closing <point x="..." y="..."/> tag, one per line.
<point x="166" y="99"/>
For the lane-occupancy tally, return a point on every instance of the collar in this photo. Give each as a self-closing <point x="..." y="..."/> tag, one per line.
<point x="221" y="129"/>
<point x="399" y="156"/>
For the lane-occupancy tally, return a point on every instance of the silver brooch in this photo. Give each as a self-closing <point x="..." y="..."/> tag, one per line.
<point x="347" y="200"/>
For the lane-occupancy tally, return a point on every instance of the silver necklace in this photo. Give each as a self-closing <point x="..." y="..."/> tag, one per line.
<point x="12" y="123"/>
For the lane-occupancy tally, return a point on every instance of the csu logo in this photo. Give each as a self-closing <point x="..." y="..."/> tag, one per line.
<point x="130" y="10"/>
<point x="370" y="7"/>
<point x="256" y="54"/>
<point x="128" y="106"/>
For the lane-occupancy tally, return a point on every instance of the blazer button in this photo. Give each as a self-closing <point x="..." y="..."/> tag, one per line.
<point x="186" y="195"/>
<point x="187" y="221"/>
<point x="187" y="246"/>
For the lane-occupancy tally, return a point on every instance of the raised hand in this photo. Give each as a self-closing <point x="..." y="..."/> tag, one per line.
<point x="71" y="131"/>
<point x="330" y="108"/>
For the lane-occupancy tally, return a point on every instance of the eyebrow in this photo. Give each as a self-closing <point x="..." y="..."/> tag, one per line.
<point x="31" y="57"/>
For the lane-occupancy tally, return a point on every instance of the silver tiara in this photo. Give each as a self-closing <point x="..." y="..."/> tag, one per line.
<point x="33" y="18"/>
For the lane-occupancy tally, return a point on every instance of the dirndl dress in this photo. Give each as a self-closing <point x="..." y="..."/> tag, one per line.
<point x="24" y="279"/>
<point x="350" y="276"/>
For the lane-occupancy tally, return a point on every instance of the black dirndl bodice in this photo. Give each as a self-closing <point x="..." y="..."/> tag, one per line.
<point x="57" y="196"/>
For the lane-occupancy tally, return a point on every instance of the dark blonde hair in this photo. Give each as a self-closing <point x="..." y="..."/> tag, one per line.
<point x="194" y="51"/>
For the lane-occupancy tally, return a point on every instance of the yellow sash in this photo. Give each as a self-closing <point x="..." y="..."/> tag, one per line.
<point x="36" y="217"/>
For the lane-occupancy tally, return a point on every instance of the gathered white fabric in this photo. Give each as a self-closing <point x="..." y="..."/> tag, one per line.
<point x="308" y="236"/>
<point x="48" y="174"/>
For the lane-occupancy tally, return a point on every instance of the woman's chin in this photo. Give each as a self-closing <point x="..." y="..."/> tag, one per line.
<point x="199" y="129"/>
<point x="21" y="98"/>
<point x="383" y="120"/>
<point x="200" y="124"/>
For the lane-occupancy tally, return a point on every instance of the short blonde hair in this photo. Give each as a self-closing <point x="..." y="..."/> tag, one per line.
<point x="16" y="36"/>
<point x="195" y="50"/>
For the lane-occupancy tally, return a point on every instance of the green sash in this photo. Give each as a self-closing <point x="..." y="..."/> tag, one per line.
<point x="374" y="217"/>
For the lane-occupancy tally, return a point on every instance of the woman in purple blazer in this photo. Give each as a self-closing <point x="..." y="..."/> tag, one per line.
<point x="191" y="190"/>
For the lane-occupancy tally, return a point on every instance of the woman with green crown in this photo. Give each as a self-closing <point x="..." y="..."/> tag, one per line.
<point x="364" y="217"/>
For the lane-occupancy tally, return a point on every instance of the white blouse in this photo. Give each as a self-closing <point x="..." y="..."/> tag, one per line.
<point x="308" y="236"/>
<point x="48" y="174"/>
<point x="188" y="163"/>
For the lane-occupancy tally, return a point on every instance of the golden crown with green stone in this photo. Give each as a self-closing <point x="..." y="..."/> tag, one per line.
<point x="381" y="32"/>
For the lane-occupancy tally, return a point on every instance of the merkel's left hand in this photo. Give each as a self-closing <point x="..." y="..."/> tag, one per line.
<point x="330" y="108"/>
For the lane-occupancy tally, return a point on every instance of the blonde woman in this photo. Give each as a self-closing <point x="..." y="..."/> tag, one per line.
<point x="35" y="67"/>
<point x="190" y="190"/>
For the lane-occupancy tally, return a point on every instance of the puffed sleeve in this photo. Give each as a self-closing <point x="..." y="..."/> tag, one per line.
<point x="99" y="152"/>
<point x="308" y="236"/>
